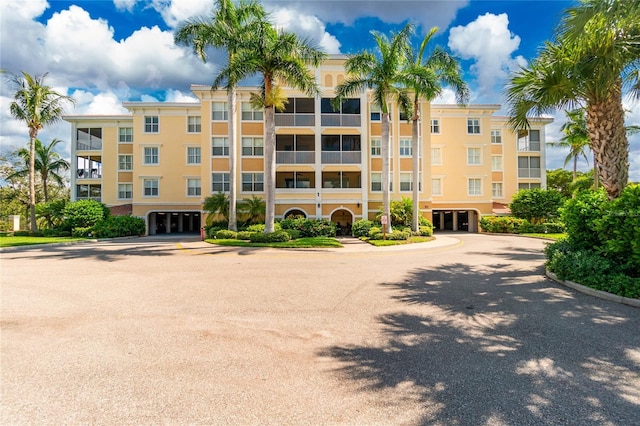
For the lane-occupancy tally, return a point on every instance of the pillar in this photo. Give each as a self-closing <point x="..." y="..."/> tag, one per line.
<point x="152" y="224"/>
<point x="455" y="220"/>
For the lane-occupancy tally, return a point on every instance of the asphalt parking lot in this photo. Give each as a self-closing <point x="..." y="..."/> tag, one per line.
<point x="465" y="331"/>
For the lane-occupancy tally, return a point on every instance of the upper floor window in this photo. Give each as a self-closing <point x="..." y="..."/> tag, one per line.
<point x="496" y="163"/>
<point x="219" y="111"/>
<point x="252" y="182"/>
<point x="436" y="156"/>
<point x="125" y="134"/>
<point x="376" y="182"/>
<point x="474" y="186"/>
<point x="526" y="185"/>
<point x="151" y="124"/>
<point x="125" y="162"/>
<point x="404" y="116"/>
<point x="496" y="189"/>
<point x="125" y="191"/>
<point x="193" y="155"/>
<point x="250" y="114"/>
<point x="376" y="112"/>
<point x="347" y="114"/>
<point x="474" y="156"/>
<point x="376" y="146"/>
<point x="529" y="140"/>
<point x="252" y="146"/>
<point x="219" y="147"/>
<point x="220" y="182"/>
<point x="151" y="155"/>
<point x="436" y="186"/>
<point x="529" y="167"/>
<point x="406" y="149"/>
<point x="406" y="182"/>
<point x="496" y="136"/>
<point x="194" y="124"/>
<point x="194" y="187"/>
<point x="151" y="187"/>
<point x="435" y="126"/>
<point x="473" y="126"/>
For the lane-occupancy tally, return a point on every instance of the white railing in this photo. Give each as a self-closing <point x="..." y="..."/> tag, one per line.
<point x="294" y="120"/>
<point x="528" y="173"/>
<point x="295" y="157"/>
<point x="94" y="144"/>
<point x="340" y="120"/>
<point x="88" y="174"/>
<point x="341" y="157"/>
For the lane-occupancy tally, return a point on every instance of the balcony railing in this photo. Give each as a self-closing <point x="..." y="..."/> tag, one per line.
<point x="528" y="173"/>
<point x="94" y="144"/>
<point x="295" y="157"/>
<point x="88" y="174"/>
<point x="293" y="120"/>
<point x="341" y="157"/>
<point x="340" y="120"/>
<point x="526" y="145"/>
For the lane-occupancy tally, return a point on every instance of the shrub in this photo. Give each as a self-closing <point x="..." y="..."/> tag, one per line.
<point x="84" y="232"/>
<point x="244" y="235"/>
<point x="310" y="227"/>
<point x="225" y="234"/>
<point x="501" y="224"/>
<point x="119" y="226"/>
<point x="536" y="205"/>
<point x="28" y="234"/>
<point x="83" y="213"/>
<point x="294" y="234"/>
<point x="272" y="237"/>
<point x="360" y="228"/>
<point x="542" y="228"/>
<point x="55" y="232"/>
<point x="396" y="235"/>
<point x="579" y="215"/>
<point x="426" y="231"/>
<point x="259" y="227"/>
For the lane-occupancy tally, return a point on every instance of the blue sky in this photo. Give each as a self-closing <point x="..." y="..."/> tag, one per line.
<point x="104" y="52"/>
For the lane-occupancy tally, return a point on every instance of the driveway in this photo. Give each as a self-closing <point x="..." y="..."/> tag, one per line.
<point x="466" y="331"/>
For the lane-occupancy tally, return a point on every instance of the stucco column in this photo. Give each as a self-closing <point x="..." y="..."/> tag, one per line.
<point x="441" y="220"/>
<point x="152" y="224"/>
<point x="455" y="220"/>
<point x="180" y="219"/>
<point x="167" y="222"/>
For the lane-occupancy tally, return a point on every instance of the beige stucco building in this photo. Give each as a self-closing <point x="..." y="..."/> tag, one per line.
<point x="163" y="159"/>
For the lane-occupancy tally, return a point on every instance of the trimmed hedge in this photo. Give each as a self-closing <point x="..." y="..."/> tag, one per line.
<point x="310" y="227"/>
<point x="360" y="228"/>
<point x="272" y="237"/>
<point x="119" y="226"/>
<point x="225" y="234"/>
<point x="501" y="224"/>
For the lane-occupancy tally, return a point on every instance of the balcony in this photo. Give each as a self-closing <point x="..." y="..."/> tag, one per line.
<point x="295" y="157"/>
<point x="340" y="120"/>
<point x="341" y="157"/>
<point x="88" y="174"/>
<point x="295" y="120"/>
<point x="93" y="144"/>
<point x="528" y="173"/>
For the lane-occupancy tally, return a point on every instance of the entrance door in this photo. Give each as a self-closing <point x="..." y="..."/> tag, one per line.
<point x="343" y="220"/>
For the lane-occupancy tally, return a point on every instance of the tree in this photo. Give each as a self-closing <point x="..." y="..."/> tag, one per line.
<point x="254" y="208"/>
<point x="383" y="72"/>
<point x="48" y="164"/>
<point x="231" y="29"/>
<point x="279" y="57"/>
<point x="536" y="205"/>
<point x="37" y="105"/>
<point x="426" y="79"/>
<point x="216" y="204"/>
<point x="575" y="138"/>
<point x="594" y="59"/>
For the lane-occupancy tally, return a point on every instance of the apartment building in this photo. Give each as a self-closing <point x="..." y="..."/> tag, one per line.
<point x="161" y="160"/>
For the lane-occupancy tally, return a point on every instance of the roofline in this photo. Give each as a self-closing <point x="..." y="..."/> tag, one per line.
<point x="96" y="117"/>
<point x="159" y="104"/>
<point x="468" y="106"/>
<point x="546" y="120"/>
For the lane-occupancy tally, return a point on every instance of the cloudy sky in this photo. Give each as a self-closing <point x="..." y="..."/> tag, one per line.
<point x="104" y="52"/>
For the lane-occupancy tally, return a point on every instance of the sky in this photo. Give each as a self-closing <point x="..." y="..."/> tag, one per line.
<point x="105" y="52"/>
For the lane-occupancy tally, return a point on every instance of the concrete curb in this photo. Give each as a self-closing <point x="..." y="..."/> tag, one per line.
<point x="593" y="292"/>
<point x="68" y="243"/>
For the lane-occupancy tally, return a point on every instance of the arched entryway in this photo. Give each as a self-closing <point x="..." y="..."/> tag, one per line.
<point x="343" y="219"/>
<point x="295" y="212"/>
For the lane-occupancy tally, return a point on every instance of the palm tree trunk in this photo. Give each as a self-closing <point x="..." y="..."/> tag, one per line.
<point x="415" y="150"/>
<point x="386" y="207"/>
<point x="575" y="167"/>
<point x="596" y="180"/>
<point x="233" y="150"/>
<point x="32" y="183"/>
<point x="269" y="168"/>
<point x="605" y="124"/>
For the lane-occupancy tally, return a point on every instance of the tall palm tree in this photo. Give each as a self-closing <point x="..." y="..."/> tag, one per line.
<point x="427" y="77"/>
<point x="593" y="61"/>
<point x="216" y="204"/>
<point x="383" y="72"/>
<point x="48" y="164"/>
<point x="37" y="105"/>
<point x="230" y="28"/>
<point x="279" y="57"/>
<point x="254" y="208"/>
<point x="575" y="138"/>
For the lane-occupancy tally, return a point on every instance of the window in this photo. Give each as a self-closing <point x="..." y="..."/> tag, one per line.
<point x="435" y="126"/>
<point x="219" y="111"/>
<point x="194" y="188"/>
<point x="219" y="147"/>
<point x="496" y="163"/>
<point x="347" y="114"/>
<point x="125" y="134"/>
<point x="406" y="181"/>
<point x="404" y="116"/>
<point x="529" y="140"/>
<point x="125" y="191"/>
<point x="496" y="136"/>
<point x="473" y="126"/>
<point x="151" y="187"/>
<point x="376" y="182"/>
<point x="193" y="155"/>
<point x="376" y="113"/>
<point x="376" y="147"/>
<point x="528" y="167"/>
<point x="151" y="124"/>
<point x="528" y="186"/>
<point x="220" y="182"/>
<point x="436" y="156"/>
<point x="151" y="154"/>
<point x="250" y="114"/>
<point x="253" y="182"/>
<point x="474" y="156"/>
<point x="252" y="146"/>
<point x="193" y="124"/>
<point x="125" y="162"/>
<point x="496" y="189"/>
<point x="474" y="186"/>
<point x="295" y="180"/>
<point x="436" y="186"/>
<point x="341" y="180"/>
<point x="405" y="148"/>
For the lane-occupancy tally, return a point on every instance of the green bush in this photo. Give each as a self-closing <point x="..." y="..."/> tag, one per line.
<point x="426" y="231"/>
<point x="83" y="213"/>
<point x="396" y="235"/>
<point x="360" y="228"/>
<point x="259" y="227"/>
<point x="542" y="228"/>
<point x="55" y="232"/>
<point x="28" y="234"/>
<point x="310" y="227"/>
<point x="272" y="237"/>
<point x="294" y="234"/>
<point x="244" y="235"/>
<point x="225" y="234"/>
<point x="82" y="232"/>
<point x="501" y="224"/>
<point x="536" y="205"/>
<point x="119" y="226"/>
<point x="580" y="214"/>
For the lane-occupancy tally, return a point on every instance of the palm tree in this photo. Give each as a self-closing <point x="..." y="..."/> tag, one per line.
<point x="254" y="208"/>
<point x="427" y="77"/>
<point x="383" y="72"/>
<point x="279" y="57"/>
<point x="48" y="164"/>
<point x="37" y="105"/>
<point x="594" y="59"/>
<point x="230" y="28"/>
<point x="216" y="204"/>
<point x="575" y="138"/>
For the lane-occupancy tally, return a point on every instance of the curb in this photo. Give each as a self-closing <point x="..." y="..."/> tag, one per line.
<point x="593" y="292"/>
<point x="62" y="244"/>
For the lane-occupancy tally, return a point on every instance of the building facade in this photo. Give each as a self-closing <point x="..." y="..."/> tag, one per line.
<point x="163" y="159"/>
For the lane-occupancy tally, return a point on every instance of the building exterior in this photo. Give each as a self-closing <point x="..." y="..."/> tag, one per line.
<point x="163" y="159"/>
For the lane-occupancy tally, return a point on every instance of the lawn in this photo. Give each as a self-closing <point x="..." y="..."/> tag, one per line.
<point x="315" y="242"/>
<point x="386" y="243"/>
<point x="546" y="236"/>
<point x="11" y="241"/>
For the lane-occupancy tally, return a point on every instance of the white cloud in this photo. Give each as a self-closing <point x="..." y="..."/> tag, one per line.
<point x="124" y="5"/>
<point x="178" y="96"/>
<point x="175" y="11"/>
<point x="490" y="44"/>
<point x="308" y="27"/>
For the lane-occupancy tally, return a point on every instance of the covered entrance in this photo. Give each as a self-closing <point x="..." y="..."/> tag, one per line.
<point x="343" y="220"/>
<point x="174" y="222"/>
<point x="455" y="220"/>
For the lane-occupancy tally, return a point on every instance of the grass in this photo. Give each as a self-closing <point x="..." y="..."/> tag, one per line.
<point x="546" y="236"/>
<point x="313" y="242"/>
<point x="386" y="243"/>
<point x="11" y="241"/>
